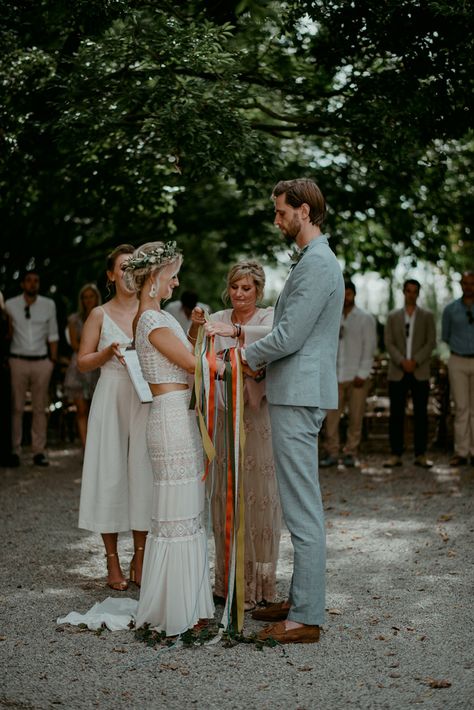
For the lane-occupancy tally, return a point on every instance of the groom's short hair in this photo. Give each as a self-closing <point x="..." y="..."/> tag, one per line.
<point x="303" y="191"/>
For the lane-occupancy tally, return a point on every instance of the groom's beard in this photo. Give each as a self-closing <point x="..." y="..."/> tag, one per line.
<point x="291" y="232"/>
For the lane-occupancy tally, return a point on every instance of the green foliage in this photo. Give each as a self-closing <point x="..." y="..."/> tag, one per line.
<point x="130" y="121"/>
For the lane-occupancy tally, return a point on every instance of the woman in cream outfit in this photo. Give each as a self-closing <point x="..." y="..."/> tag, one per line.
<point x="117" y="478"/>
<point x="176" y="591"/>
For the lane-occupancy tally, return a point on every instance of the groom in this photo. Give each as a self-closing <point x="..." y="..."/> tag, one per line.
<point x="301" y="384"/>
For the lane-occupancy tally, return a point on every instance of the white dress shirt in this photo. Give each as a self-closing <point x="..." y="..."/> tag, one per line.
<point x="357" y="345"/>
<point x="31" y="335"/>
<point x="409" y="329"/>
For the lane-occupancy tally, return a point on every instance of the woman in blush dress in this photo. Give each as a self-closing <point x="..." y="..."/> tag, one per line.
<point x="79" y="386"/>
<point x="176" y="591"/>
<point x="245" y="286"/>
<point x="117" y="479"/>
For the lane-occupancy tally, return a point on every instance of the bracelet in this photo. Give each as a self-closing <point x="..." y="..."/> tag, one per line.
<point x="191" y="338"/>
<point x="238" y="329"/>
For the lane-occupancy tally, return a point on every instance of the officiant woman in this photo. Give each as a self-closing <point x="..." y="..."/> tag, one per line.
<point x="244" y="289"/>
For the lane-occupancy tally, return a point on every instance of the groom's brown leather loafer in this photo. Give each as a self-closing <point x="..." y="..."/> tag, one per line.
<point x="278" y="632"/>
<point x="272" y="612"/>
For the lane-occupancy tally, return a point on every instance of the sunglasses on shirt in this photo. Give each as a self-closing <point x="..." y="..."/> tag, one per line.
<point x="27" y="312"/>
<point x="470" y="317"/>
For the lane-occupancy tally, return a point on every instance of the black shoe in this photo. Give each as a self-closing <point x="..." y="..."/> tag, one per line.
<point x="40" y="460"/>
<point x="349" y="461"/>
<point x="12" y="461"/>
<point x="328" y="461"/>
<point x="457" y="460"/>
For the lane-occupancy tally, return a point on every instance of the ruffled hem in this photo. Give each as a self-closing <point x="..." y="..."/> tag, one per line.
<point x="176" y="590"/>
<point x="115" y="613"/>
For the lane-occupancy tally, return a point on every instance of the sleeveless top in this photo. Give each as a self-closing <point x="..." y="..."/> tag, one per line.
<point x="112" y="333"/>
<point x="156" y="368"/>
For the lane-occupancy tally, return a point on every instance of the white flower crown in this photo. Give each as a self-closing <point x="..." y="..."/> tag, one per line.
<point x="161" y="255"/>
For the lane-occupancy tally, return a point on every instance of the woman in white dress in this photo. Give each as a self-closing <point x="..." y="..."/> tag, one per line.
<point x="117" y="479"/>
<point x="176" y="591"/>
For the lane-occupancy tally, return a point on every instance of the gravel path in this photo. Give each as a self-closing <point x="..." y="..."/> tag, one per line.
<point x="399" y="624"/>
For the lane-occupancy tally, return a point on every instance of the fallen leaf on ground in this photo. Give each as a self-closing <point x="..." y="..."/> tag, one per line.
<point x="443" y="535"/>
<point x="335" y="612"/>
<point x="305" y="668"/>
<point x="434" y="683"/>
<point x="445" y="517"/>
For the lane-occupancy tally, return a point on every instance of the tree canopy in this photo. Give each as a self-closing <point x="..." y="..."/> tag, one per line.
<point x="131" y="121"/>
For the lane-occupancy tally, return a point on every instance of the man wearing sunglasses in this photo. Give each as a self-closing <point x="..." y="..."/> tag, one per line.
<point x="33" y="353"/>
<point x="458" y="333"/>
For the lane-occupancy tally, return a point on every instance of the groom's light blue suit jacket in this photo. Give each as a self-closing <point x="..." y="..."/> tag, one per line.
<point x="300" y="352"/>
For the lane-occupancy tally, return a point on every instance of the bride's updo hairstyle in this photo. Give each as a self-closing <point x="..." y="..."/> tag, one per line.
<point x="250" y="268"/>
<point x="151" y="258"/>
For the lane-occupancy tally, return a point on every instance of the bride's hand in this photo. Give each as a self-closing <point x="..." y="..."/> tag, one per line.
<point x="220" y="328"/>
<point x="197" y="316"/>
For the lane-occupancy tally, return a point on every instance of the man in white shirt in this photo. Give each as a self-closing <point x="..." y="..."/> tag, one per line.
<point x="355" y="355"/>
<point x="183" y="308"/>
<point x="33" y="354"/>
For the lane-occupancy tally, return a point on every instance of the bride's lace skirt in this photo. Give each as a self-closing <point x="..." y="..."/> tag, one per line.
<point x="176" y="589"/>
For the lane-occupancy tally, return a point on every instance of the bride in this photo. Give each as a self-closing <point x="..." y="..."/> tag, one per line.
<point x="175" y="590"/>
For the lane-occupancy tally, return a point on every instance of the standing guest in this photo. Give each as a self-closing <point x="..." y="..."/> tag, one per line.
<point x="245" y="285"/>
<point x="33" y="354"/>
<point x="176" y="591"/>
<point x="6" y="458"/>
<point x="355" y="356"/>
<point x="117" y="479"/>
<point x="182" y="309"/>
<point x="300" y="356"/>
<point x="410" y="337"/>
<point x="458" y="333"/>
<point x="79" y="386"/>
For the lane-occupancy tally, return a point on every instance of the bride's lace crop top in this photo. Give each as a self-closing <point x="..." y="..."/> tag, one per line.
<point x="156" y="368"/>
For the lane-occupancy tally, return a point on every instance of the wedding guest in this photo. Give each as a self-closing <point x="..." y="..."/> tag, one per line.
<point x="79" y="386"/>
<point x="355" y="356"/>
<point x="300" y="357"/>
<point x="245" y="286"/>
<point x="116" y="478"/>
<point x="182" y="309"/>
<point x="176" y="591"/>
<point x="458" y="333"/>
<point x="410" y="338"/>
<point x="6" y="458"/>
<point x="33" y="354"/>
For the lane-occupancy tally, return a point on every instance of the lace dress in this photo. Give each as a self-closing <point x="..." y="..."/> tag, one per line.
<point x="176" y="589"/>
<point x="117" y="478"/>
<point x="262" y="502"/>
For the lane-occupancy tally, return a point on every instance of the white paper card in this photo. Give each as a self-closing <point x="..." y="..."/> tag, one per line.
<point x="134" y="370"/>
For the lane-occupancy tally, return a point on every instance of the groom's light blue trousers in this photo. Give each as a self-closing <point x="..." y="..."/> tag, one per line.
<point x="295" y="448"/>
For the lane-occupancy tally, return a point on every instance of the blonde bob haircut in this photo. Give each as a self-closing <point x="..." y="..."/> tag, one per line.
<point x="136" y="278"/>
<point x="251" y="269"/>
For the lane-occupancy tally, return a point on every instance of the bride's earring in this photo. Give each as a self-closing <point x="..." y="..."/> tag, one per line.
<point x="153" y="291"/>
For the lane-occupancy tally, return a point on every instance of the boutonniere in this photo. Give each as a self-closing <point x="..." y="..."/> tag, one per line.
<point x="295" y="255"/>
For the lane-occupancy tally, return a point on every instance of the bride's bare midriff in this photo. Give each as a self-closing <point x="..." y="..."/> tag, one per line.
<point x="166" y="387"/>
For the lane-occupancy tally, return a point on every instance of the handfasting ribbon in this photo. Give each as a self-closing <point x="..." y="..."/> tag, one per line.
<point x="203" y="378"/>
<point x="204" y="398"/>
